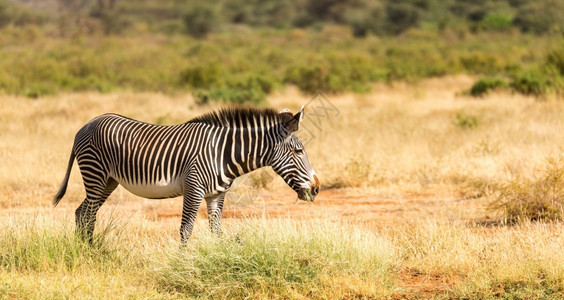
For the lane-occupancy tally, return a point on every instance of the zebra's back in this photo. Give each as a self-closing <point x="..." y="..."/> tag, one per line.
<point x="148" y="160"/>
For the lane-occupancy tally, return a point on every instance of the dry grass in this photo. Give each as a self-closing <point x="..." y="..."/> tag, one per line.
<point x="539" y="199"/>
<point x="428" y="137"/>
<point x="399" y="140"/>
<point x="475" y="262"/>
<point x="406" y="138"/>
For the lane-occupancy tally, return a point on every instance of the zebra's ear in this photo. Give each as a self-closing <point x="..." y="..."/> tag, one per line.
<point x="301" y="113"/>
<point x="293" y="124"/>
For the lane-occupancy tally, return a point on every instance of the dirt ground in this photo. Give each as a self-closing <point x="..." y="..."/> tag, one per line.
<point x="377" y="210"/>
<point x="371" y="208"/>
<point x="374" y="210"/>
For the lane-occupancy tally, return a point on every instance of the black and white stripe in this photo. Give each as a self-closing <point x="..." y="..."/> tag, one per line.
<point x="198" y="159"/>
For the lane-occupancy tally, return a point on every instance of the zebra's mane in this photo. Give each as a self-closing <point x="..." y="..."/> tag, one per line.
<point x="235" y="117"/>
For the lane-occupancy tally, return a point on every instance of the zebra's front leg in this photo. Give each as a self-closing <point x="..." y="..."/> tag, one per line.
<point x="215" y="207"/>
<point x="192" y="200"/>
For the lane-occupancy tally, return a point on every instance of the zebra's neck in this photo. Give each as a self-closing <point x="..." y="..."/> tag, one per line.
<point x="248" y="149"/>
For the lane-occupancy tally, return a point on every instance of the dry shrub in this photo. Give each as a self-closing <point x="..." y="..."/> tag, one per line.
<point x="475" y="187"/>
<point x="537" y="199"/>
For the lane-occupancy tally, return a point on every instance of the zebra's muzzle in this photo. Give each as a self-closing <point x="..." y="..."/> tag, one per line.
<point x="305" y="195"/>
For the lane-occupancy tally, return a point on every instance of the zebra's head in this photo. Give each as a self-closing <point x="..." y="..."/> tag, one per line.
<point x="290" y="159"/>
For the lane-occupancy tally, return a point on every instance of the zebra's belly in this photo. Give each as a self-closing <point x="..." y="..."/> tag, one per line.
<point x="158" y="190"/>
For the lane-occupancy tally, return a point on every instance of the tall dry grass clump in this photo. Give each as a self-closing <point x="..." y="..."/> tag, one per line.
<point x="537" y="199"/>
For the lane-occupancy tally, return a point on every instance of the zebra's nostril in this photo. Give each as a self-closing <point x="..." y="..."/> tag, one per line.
<point x="315" y="191"/>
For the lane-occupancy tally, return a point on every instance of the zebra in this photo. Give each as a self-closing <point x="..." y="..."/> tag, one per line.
<point x="198" y="159"/>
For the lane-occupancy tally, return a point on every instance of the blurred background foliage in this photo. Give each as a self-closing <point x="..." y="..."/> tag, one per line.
<point x="240" y="51"/>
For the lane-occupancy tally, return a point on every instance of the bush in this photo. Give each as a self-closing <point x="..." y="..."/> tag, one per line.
<point x="540" y="16"/>
<point x="336" y="73"/>
<point x="38" y="89"/>
<point x="202" y="18"/>
<point x="482" y="63"/>
<point x="496" y="22"/>
<point x="466" y="121"/>
<point x="252" y="90"/>
<point x="12" y="12"/>
<point x="401" y="16"/>
<point x="202" y="77"/>
<point x="485" y="85"/>
<point x="539" y="199"/>
<point x="555" y="59"/>
<point x="229" y="95"/>
<point x="408" y="62"/>
<point x="531" y="83"/>
<point x="113" y="22"/>
<point x="310" y="79"/>
<point x="366" y="21"/>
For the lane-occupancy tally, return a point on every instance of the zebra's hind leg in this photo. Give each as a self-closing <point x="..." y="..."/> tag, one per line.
<point x="192" y="200"/>
<point x="215" y="207"/>
<point x="86" y="212"/>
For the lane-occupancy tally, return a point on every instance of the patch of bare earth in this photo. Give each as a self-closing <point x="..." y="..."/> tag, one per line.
<point x="416" y="284"/>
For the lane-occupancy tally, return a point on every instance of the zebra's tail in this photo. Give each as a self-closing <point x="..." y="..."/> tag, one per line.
<point x="63" y="187"/>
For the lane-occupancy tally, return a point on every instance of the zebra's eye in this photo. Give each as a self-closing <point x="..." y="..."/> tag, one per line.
<point x="299" y="151"/>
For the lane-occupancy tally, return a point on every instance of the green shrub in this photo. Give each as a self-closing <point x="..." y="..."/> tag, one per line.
<point x="336" y="73"/>
<point x="12" y="12"/>
<point x="401" y="15"/>
<point x="310" y="79"/>
<point x="538" y="199"/>
<point x="531" y="83"/>
<point x="202" y="18"/>
<point x="239" y="89"/>
<point x="464" y="120"/>
<point x="482" y="63"/>
<point x="38" y="89"/>
<point x="555" y="59"/>
<point x="366" y="21"/>
<point x="485" y="85"/>
<point x="408" y="62"/>
<point x="113" y="22"/>
<point x="496" y="22"/>
<point x="540" y="16"/>
<point x="202" y="77"/>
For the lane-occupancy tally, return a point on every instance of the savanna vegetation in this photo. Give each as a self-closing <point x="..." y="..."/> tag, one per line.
<point x="428" y="192"/>
<point x="440" y="154"/>
<point x="241" y="51"/>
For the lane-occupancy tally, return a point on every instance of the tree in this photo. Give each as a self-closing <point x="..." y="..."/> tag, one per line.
<point x="401" y="16"/>
<point x="540" y="16"/>
<point x="202" y="18"/>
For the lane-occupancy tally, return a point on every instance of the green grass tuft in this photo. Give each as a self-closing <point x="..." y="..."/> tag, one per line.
<point x="485" y="85"/>
<point x="35" y="246"/>
<point x="464" y="120"/>
<point x="280" y="258"/>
